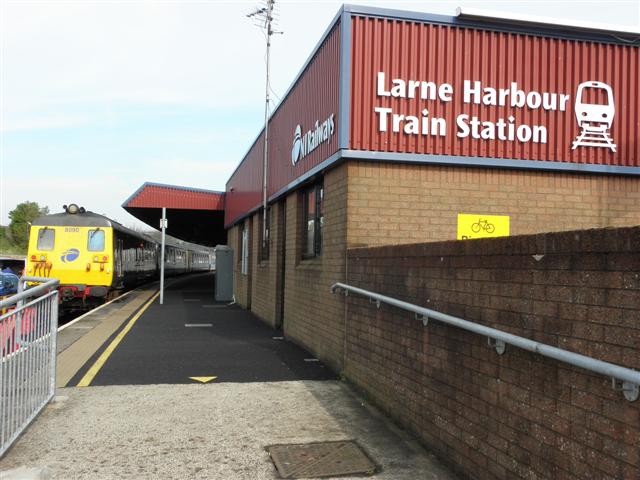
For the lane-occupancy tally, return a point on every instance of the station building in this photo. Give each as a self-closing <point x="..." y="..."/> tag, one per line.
<point x="401" y="123"/>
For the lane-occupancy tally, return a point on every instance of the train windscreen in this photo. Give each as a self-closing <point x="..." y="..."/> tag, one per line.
<point x="46" y="239"/>
<point x="96" y="240"/>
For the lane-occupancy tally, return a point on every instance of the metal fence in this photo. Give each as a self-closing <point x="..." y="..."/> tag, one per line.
<point x="28" y="325"/>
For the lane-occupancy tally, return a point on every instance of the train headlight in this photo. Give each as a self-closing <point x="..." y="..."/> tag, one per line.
<point x="96" y="258"/>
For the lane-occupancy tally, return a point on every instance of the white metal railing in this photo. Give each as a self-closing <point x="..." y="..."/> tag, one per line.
<point x="622" y="378"/>
<point x="28" y="325"/>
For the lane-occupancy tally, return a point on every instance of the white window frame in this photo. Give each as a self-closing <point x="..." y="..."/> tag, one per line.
<point x="244" y="266"/>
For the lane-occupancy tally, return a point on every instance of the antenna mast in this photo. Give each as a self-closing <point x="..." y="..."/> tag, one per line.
<point x="265" y="17"/>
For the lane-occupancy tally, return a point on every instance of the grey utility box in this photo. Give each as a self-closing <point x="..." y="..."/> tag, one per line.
<point x="224" y="273"/>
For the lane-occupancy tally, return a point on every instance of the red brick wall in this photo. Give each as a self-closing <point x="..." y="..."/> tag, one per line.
<point x="518" y="415"/>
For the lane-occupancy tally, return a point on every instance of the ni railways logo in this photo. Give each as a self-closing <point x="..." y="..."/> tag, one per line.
<point x="70" y="255"/>
<point x="312" y="139"/>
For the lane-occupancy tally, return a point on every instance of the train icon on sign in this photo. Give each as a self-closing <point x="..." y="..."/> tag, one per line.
<point x="594" y="119"/>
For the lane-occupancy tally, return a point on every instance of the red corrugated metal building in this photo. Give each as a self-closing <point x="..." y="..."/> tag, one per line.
<point x="407" y="127"/>
<point x="450" y="72"/>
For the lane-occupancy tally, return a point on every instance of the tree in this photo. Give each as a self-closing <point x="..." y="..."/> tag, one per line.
<point x="21" y="217"/>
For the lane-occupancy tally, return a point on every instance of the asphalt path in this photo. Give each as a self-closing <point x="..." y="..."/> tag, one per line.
<point x="191" y="335"/>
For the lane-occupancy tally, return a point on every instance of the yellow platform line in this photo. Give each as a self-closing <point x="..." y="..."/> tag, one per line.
<point x="95" y="368"/>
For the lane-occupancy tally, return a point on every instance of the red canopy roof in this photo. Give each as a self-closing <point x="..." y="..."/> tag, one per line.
<point x="156" y="195"/>
<point x="193" y="214"/>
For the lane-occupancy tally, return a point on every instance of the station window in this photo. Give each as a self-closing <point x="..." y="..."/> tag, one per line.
<point x="46" y="239"/>
<point x="265" y="236"/>
<point x="96" y="240"/>
<point x="313" y="221"/>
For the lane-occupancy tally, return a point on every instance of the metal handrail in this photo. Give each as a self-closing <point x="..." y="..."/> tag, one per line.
<point x="498" y="339"/>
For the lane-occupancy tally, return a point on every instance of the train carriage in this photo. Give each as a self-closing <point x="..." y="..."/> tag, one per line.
<point x="94" y="256"/>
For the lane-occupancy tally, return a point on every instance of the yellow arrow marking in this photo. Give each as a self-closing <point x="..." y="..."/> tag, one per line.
<point x="203" y="379"/>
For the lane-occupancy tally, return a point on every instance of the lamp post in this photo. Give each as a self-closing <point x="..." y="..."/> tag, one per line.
<point x="163" y="226"/>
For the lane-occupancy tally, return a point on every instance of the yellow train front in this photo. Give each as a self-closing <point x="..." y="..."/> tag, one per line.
<point x="90" y="254"/>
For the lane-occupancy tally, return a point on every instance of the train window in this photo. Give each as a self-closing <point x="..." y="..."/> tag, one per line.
<point x="96" y="240"/>
<point x="46" y="239"/>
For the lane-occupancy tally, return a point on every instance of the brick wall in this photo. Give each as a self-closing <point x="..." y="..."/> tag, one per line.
<point x="241" y="282"/>
<point x="518" y="415"/>
<point x="404" y="203"/>
<point x="265" y="280"/>
<point x="312" y="316"/>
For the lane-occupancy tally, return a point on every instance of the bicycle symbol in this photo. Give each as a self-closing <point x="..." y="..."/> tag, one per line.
<point x="484" y="225"/>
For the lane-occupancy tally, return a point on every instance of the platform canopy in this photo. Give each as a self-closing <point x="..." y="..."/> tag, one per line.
<point x="193" y="214"/>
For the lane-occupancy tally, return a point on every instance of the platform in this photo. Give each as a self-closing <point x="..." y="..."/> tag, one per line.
<point x="146" y="412"/>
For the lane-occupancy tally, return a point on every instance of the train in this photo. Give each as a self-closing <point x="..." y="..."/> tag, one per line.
<point x="95" y="257"/>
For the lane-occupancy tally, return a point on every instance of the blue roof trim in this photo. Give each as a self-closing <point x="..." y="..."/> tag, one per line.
<point x="498" y="25"/>
<point x="179" y="187"/>
<point x="344" y="89"/>
<point x="166" y="185"/>
<point x="442" y="160"/>
<point x="315" y="50"/>
<point x="507" y="163"/>
<point x="134" y="195"/>
<point x="309" y="174"/>
<point x="321" y="167"/>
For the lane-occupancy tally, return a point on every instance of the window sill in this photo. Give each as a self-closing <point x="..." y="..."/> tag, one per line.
<point x="310" y="262"/>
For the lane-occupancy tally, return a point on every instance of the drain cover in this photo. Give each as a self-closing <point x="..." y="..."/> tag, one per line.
<point x="327" y="459"/>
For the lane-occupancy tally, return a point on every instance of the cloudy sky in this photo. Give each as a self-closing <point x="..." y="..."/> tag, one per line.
<point x="97" y="97"/>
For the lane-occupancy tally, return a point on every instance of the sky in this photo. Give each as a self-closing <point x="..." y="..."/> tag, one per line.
<point x="97" y="97"/>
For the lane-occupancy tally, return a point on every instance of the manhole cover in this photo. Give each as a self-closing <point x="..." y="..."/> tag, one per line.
<point x="327" y="459"/>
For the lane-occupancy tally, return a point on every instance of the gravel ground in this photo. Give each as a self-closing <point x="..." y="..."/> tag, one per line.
<point x="213" y="431"/>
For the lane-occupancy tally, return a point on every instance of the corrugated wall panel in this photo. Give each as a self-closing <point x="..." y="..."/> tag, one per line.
<point x="451" y="54"/>
<point x="244" y="188"/>
<point x="314" y="98"/>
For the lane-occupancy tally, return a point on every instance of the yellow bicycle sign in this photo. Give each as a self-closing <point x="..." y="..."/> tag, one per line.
<point x="474" y="225"/>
